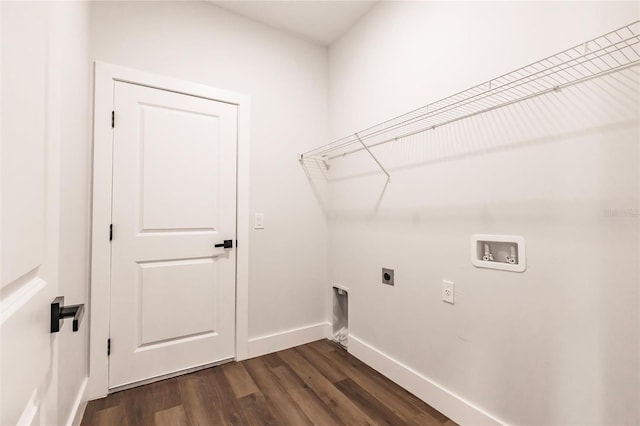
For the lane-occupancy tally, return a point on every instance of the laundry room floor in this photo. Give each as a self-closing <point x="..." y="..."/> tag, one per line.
<point x="317" y="383"/>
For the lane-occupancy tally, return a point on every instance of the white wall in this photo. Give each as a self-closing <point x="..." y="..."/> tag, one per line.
<point x="287" y="81"/>
<point x="557" y="344"/>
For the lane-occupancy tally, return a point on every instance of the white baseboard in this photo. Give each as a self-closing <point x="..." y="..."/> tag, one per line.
<point x="77" y="410"/>
<point x="287" y="339"/>
<point x="448" y="403"/>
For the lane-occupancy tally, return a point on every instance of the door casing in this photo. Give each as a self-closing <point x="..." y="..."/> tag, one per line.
<point x="105" y="75"/>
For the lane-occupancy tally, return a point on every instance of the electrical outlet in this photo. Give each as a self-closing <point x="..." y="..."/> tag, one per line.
<point x="387" y="276"/>
<point x="448" y="291"/>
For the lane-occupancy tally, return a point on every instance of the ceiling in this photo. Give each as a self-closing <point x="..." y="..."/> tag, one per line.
<point x="321" y="22"/>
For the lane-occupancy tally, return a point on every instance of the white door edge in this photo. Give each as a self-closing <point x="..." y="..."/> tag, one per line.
<point x="104" y="77"/>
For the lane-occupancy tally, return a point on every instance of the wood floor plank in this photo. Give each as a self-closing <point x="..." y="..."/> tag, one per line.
<point x="428" y="410"/>
<point x="161" y="395"/>
<point x="272" y="360"/>
<point x="322" y="364"/>
<point x="255" y="411"/>
<point x="138" y="406"/>
<point x="323" y="345"/>
<point x="287" y="378"/>
<point x="355" y="371"/>
<point x="424" y="419"/>
<point x="111" y="400"/>
<point x="280" y="403"/>
<point x="318" y="383"/>
<point x="319" y="413"/>
<point x="344" y="408"/>
<point x="403" y="394"/>
<point x="102" y="403"/>
<point x="109" y="416"/>
<point x="397" y="389"/>
<point x="198" y="411"/>
<point x="174" y="416"/>
<point x="378" y="412"/>
<point x="87" y="416"/>
<point x="219" y="395"/>
<point x="378" y="381"/>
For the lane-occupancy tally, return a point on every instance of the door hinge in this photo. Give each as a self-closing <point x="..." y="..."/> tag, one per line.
<point x="113" y="119"/>
<point x="108" y="346"/>
<point x="110" y="231"/>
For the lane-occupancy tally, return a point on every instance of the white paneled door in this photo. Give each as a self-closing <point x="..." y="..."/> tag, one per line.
<point x="30" y="208"/>
<point x="174" y="200"/>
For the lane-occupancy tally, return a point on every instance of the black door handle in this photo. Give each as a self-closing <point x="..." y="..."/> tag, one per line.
<point x="225" y="244"/>
<point x="59" y="312"/>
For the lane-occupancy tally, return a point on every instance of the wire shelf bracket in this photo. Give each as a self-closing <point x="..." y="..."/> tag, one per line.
<point x="373" y="156"/>
<point x="609" y="53"/>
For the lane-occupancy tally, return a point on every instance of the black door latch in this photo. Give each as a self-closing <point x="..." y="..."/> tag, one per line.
<point x="226" y="244"/>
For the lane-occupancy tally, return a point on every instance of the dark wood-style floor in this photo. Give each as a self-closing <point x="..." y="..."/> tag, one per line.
<point x="314" y="384"/>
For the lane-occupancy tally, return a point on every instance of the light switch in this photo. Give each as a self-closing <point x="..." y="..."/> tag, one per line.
<point x="259" y="221"/>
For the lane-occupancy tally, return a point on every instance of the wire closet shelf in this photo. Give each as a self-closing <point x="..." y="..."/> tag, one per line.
<point x="606" y="54"/>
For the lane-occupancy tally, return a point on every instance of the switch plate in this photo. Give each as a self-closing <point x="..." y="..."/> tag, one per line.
<point x="259" y="221"/>
<point x="448" y="291"/>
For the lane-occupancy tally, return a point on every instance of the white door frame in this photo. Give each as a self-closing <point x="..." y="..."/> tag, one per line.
<point x="104" y="77"/>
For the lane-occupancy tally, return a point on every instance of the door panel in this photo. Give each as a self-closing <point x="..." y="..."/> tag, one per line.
<point x="174" y="198"/>
<point x="24" y="78"/>
<point x="181" y="288"/>
<point x="168" y="187"/>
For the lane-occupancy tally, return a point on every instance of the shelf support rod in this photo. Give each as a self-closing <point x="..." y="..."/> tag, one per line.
<point x="373" y="156"/>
